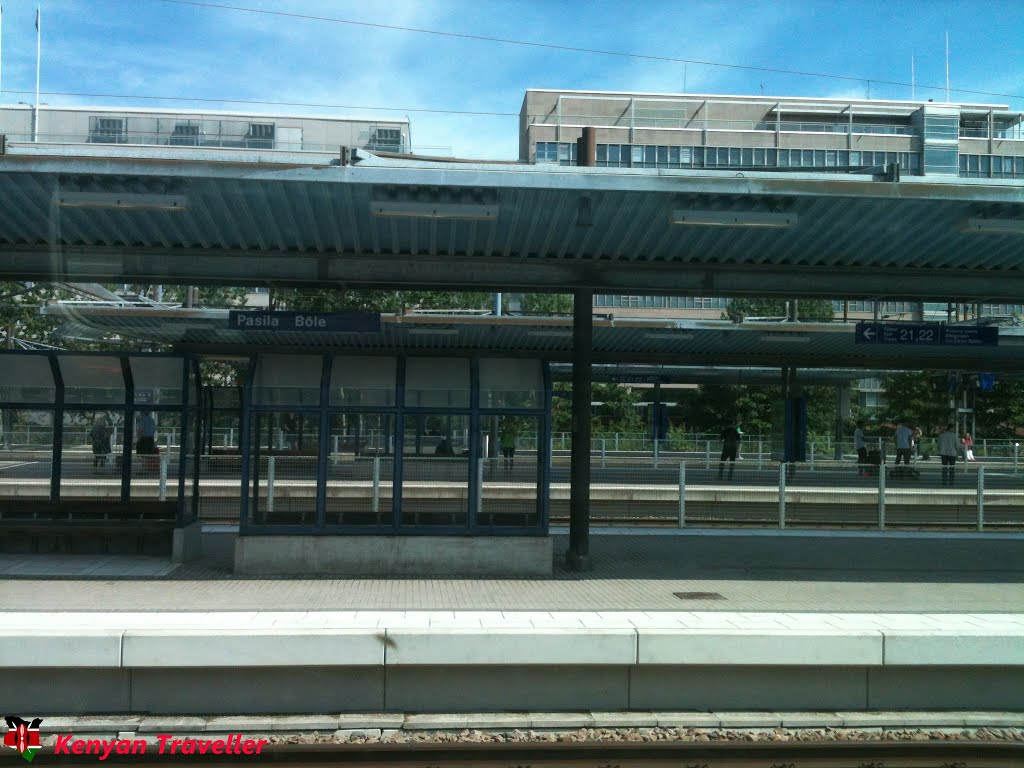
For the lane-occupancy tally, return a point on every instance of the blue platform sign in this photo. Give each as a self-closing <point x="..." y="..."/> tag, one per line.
<point x="304" y="322"/>
<point x="924" y="334"/>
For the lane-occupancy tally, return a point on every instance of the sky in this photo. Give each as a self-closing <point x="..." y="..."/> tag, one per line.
<point x="206" y="55"/>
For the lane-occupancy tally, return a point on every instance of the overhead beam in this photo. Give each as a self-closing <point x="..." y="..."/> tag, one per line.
<point x="286" y="268"/>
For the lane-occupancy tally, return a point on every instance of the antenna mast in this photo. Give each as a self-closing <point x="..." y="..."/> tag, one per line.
<point x="947" y="67"/>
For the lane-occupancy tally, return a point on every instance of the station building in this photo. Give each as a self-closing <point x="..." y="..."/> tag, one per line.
<point x="760" y="133"/>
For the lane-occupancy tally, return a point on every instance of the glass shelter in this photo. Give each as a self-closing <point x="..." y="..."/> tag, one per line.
<point x="353" y="444"/>
<point x="96" y="449"/>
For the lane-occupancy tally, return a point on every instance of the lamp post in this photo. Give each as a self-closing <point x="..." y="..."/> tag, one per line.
<point x="35" y="118"/>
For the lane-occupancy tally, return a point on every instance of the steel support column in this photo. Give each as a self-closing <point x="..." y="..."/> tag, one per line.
<point x="578" y="556"/>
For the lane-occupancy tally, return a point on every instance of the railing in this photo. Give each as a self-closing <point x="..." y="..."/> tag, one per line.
<point x="163" y="139"/>
<point x="1015" y="133"/>
<point x="700" y="124"/>
<point x="691" y="446"/>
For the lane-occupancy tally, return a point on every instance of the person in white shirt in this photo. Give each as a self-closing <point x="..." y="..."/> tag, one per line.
<point x="859" y="444"/>
<point x="949" y="447"/>
<point x="903" y="437"/>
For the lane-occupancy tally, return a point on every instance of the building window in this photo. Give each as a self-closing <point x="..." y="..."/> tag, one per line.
<point x="184" y="135"/>
<point x="260" y="136"/>
<point x="386" y="139"/>
<point x="108" y="130"/>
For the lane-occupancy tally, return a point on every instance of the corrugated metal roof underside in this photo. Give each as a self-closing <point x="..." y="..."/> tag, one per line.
<point x="312" y="224"/>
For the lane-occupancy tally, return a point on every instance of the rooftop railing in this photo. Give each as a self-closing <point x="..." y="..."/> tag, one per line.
<point x="699" y="124"/>
<point x="1015" y="133"/>
<point x="136" y="138"/>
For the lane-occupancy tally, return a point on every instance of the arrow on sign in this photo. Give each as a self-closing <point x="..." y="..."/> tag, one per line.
<point x="869" y="333"/>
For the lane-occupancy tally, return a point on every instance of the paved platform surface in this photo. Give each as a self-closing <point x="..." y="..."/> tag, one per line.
<point x="634" y="571"/>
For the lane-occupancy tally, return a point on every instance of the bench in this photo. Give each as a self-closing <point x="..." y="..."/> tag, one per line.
<point x="86" y="527"/>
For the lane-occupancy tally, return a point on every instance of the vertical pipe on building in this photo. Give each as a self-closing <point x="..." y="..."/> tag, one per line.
<point x="578" y="556"/>
<point x="586" y="148"/>
<point x="558" y="121"/>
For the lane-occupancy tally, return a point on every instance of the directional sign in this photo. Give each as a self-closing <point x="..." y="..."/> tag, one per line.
<point x="304" y="322"/>
<point x="970" y="336"/>
<point x="925" y="334"/>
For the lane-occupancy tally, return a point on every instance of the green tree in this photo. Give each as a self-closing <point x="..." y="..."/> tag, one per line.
<point x="547" y="303"/>
<point x="809" y="310"/>
<point x="618" y="411"/>
<point x="346" y="300"/>
<point x="918" y="397"/>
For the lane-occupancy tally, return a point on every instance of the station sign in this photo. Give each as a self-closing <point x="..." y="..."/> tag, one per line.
<point x="926" y="334"/>
<point x="639" y="379"/>
<point x="304" y="322"/>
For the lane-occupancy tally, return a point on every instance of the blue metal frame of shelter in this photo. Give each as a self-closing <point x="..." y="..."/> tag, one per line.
<point x="397" y="416"/>
<point x="186" y="410"/>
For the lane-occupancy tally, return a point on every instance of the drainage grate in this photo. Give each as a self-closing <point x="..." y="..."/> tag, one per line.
<point x="698" y="596"/>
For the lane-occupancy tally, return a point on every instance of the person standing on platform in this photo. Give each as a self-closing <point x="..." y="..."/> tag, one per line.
<point x="903" y="438"/>
<point x="730" y="447"/>
<point x="509" y="433"/>
<point x="949" y="447"/>
<point x="147" y="434"/>
<point x="100" y="436"/>
<point x="968" y="446"/>
<point x="859" y="445"/>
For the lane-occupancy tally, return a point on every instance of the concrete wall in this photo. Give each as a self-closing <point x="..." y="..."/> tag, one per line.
<point x="395" y="555"/>
<point x="186" y="691"/>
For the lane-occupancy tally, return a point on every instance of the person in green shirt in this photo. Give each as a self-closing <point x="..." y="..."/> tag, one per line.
<point x="509" y="433"/>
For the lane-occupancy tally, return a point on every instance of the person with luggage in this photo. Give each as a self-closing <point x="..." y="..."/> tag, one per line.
<point x="968" y="447"/>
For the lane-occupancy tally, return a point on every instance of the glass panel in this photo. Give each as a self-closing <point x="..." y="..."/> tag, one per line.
<point x="613" y="153"/>
<point x="748" y="156"/>
<point x="93" y="443"/>
<point x="287" y="380"/>
<point x="638" y="156"/>
<point x="363" y="381"/>
<point x="435" y="470"/>
<point x="30" y="433"/>
<point x="662" y="156"/>
<point x="437" y="382"/>
<point x="157" y="439"/>
<point x="734" y="156"/>
<point x="26" y="379"/>
<point x="282" y="488"/>
<point x="92" y="379"/>
<point x="157" y="379"/>
<point x="673" y="155"/>
<point x="515" y="462"/>
<point x="855" y="158"/>
<point x="360" y="474"/>
<point x="819" y="158"/>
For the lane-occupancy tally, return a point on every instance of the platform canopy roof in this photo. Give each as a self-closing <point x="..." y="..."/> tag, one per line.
<point x="174" y="215"/>
<point x="616" y="340"/>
